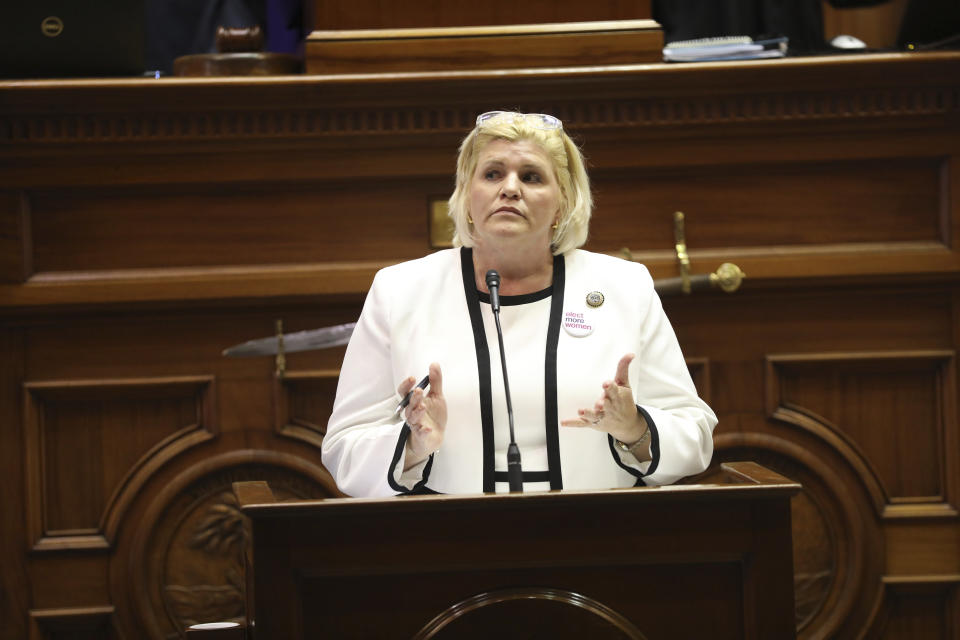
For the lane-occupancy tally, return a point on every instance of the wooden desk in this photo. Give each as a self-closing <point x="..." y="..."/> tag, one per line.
<point x="684" y="561"/>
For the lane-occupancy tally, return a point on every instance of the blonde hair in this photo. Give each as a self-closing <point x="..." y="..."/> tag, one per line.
<point x="576" y="201"/>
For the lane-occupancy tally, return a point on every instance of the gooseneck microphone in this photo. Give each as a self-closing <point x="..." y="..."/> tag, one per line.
<point x="514" y="470"/>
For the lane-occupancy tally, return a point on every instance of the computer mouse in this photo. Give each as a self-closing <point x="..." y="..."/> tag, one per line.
<point x="844" y="41"/>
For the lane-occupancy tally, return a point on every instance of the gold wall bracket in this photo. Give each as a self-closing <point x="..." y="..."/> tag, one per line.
<point x="727" y="277"/>
<point x="280" y="359"/>
<point x="683" y="258"/>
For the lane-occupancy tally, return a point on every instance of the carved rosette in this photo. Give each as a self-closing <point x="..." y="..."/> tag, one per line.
<point x="188" y="552"/>
<point x="834" y="562"/>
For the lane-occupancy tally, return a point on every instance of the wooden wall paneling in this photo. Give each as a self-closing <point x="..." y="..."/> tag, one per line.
<point x="952" y="435"/>
<point x="83" y="230"/>
<point x="921" y="547"/>
<point x="80" y="622"/>
<point x="181" y="561"/>
<point x="304" y="402"/>
<point x="165" y="527"/>
<point x="837" y="559"/>
<point x="176" y="341"/>
<point x="699" y="368"/>
<point x="949" y="183"/>
<point x="847" y="162"/>
<point x="69" y="579"/>
<point x="125" y="429"/>
<point x="839" y="541"/>
<point x="165" y="348"/>
<point x="857" y="118"/>
<point x="808" y="317"/>
<point x="773" y="203"/>
<point x="921" y="609"/>
<point x="800" y="203"/>
<point x="691" y="97"/>
<point x="849" y="398"/>
<point x="15" y="578"/>
<point x="377" y="14"/>
<point x="566" y="44"/>
<point x="66" y="243"/>
<point x="16" y="253"/>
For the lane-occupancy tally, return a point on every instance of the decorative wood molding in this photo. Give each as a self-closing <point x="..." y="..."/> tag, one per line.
<point x="839" y="443"/>
<point x="135" y="191"/>
<point x="56" y="623"/>
<point x="296" y="398"/>
<point x="848" y="116"/>
<point x="828" y="602"/>
<point x="535" y="602"/>
<point x="777" y="268"/>
<point x="16" y="243"/>
<point x="935" y="596"/>
<point x="194" y="521"/>
<point x="373" y="14"/>
<point x="302" y="124"/>
<point x="556" y="44"/>
<point x="941" y="365"/>
<point x="620" y="96"/>
<point x="919" y="510"/>
<point x="932" y="582"/>
<point x="37" y="397"/>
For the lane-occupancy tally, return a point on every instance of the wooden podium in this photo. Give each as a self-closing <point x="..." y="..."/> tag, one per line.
<point x="685" y="561"/>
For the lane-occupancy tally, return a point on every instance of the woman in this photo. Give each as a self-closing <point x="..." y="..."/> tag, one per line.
<point x="601" y="394"/>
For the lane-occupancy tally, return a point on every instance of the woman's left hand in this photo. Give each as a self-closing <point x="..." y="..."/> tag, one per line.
<point x="615" y="412"/>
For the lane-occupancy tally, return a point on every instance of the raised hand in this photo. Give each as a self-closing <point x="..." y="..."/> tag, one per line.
<point x="426" y="415"/>
<point x="615" y="412"/>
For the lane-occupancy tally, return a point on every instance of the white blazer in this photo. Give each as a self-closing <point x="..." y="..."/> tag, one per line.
<point x="559" y="351"/>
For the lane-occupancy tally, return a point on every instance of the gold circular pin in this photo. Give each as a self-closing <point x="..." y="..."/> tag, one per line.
<point x="52" y="26"/>
<point x="594" y="299"/>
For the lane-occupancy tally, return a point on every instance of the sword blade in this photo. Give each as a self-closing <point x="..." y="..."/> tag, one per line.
<point x="309" y="340"/>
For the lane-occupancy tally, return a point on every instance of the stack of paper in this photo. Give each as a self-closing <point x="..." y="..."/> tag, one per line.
<point x="726" y="48"/>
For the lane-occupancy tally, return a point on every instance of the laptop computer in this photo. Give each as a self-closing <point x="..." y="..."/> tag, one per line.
<point x="71" y="38"/>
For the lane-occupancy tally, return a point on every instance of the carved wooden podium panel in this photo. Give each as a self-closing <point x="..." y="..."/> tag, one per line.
<point x="692" y="561"/>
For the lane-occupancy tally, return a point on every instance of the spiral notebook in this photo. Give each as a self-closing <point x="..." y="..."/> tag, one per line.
<point x="725" y="48"/>
<point x="70" y="38"/>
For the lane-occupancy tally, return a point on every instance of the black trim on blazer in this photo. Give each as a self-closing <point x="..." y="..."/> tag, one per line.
<point x="420" y="491"/>
<point x="526" y="298"/>
<point x="654" y="451"/>
<point x="528" y="476"/>
<point x="420" y="487"/>
<point x="654" y="442"/>
<point x="483" y="366"/>
<point x="552" y="420"/>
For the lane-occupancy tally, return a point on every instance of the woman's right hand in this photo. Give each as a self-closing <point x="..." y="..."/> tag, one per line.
<point x="426" y="416"/>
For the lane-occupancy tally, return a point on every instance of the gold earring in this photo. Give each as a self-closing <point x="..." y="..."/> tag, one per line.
<point x="555" y="225"/>
<point x="469" y="219"/>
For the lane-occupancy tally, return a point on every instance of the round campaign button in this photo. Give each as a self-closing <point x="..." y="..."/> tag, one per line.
<point x="578" y="323"/>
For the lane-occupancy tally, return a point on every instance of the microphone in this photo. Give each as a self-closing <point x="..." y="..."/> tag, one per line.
<point x="514" y="470"/>
<point x="493" y="284"/>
